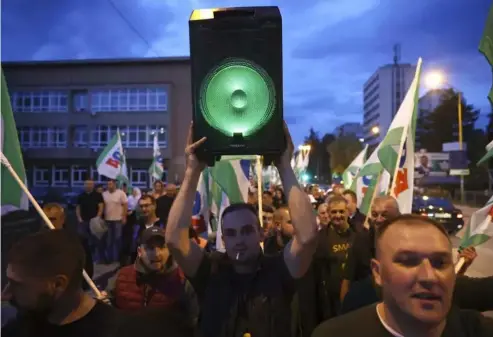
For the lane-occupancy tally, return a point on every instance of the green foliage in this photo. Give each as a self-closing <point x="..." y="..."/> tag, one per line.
<point x="342" y="152"/>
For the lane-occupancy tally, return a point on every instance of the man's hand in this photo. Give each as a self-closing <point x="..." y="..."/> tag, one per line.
<point x="193" y="163"/>
<point x="104" y="298"/>
<point x="285" y="158"/>
<point x="469" y="254"/>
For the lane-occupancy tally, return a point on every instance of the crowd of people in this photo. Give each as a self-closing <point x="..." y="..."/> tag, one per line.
<point x="314" y="266"/>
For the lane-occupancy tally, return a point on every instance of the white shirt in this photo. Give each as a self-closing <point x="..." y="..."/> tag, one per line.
<point x="113" y="205"/>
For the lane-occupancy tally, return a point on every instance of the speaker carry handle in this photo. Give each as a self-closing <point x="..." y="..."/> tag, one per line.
<point x="234" y="13"/>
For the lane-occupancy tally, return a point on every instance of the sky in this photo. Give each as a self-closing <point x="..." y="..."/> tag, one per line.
<point x="330" y="47"/>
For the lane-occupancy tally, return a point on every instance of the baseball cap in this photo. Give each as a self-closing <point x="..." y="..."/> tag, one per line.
<point x="150" y="233"/>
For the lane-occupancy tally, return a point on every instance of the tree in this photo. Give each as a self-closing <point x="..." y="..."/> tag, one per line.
<point x="342" y="152"/>
<point x="441" y="125"/>
<point x="319" y="164"/>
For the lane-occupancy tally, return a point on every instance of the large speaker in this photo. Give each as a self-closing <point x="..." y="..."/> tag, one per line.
<point x="236" y="60"/>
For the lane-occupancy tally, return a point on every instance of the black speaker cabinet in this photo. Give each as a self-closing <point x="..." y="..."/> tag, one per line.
<point x="236" y="61"/>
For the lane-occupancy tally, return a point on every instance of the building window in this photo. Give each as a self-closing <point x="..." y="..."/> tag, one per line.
<point x="96" y="177"/>
<point x="81" y="136"/>
<point x="39" y="101"/>
<point x="60" y="177"/>
<point x="129" y="99"/>
<point x="132" y="136"/>
<point x="42" y="137"/>
<point x="80" y="101"/>
<point x="138" y="177"/>
<point x="41" y="177"/>
<point x="79" y="176"/>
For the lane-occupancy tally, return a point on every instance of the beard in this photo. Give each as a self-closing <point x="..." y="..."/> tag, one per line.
<point x="44" y="306"/>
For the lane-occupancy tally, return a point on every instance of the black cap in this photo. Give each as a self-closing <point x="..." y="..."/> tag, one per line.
<point x="150" y="233"/>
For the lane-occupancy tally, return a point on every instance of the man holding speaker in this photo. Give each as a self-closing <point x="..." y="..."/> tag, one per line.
<point x="243" y="291"/>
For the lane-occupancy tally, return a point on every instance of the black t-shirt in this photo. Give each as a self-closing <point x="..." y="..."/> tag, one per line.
<point x="101" y="321"/>
<point x="357" y="221"/>
<point x="89" y="204"/>
<point x="163" y="206"/>
<point x="460" y="323"/>
<point x="234" y="304"/>
<point x="359" y="257"/>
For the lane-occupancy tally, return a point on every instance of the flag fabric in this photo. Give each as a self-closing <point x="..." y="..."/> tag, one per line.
<point x="486" y="45"/>
<point x="157" y="169"/>
<point x="480" y="227"/>
<point x="232" y="178"/>
<point x="488" y="155"/>
<point x="122" y="177"/>
<point x="352" y="170"/>
<point x="111" y="162"/>
<point x="201" y="207"/>
<point x="404" y="143"/>
<point x="370" y="181"/>
<point x="13" y="198"/>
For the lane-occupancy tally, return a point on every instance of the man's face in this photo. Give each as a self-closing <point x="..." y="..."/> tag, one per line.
<point x="323" y="215"/>
<point x="382" y="211"/>
<point x="267" y="199"/>
<point x="148" y="209"/>
<point x="154" y="254"/>
<point x="267" y="218"/>
<point x="158" y="187"/>
<point x="111" y="186"/>
<point x="415" y="269"/>
<point x="282" y="221"/>
<point x="88" y="185"/>
<point x="171" y="190"/>
<point x="351" y="205"/>
<point x="241" y="235"/>
<point x="32" y="296"/>
<point x="56" y="216"/>
<point x="338" y="214"/>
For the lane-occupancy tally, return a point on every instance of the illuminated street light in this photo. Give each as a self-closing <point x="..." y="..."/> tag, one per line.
<point x="375" y="130"/>
<point x="304" y="147"/>
<point x="434" y="80"/>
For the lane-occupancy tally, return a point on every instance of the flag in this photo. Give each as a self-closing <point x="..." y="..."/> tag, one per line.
<point x="157" y="169"/>
<point x="352" y="170"/>
<point x="13" y="198"/>
<point x="480" y="227"/>
<point x="370" y="180"/>
<point x="122" y="177"/>
<point x="201" y="207"/>
<point x="397" y="154"/>
<point x="232" y="177"/>
<point x="111" y="162"/>
<point x="488" y="155"/>
<point x="486" y="45"/>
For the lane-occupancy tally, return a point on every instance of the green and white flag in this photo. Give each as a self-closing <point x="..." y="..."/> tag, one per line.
<point x="156" y="170"/>
<point x="397" y="151"/>
<point x="488" y="155"/>
<point x="13" y="198"/>
<point x="480" y="227"/>
<point x="111" y="162"/>
<point x="486" y="45"/>
<point x="352" y="170"/>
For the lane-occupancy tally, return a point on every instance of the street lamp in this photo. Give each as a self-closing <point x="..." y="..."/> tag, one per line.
<point x="434" y="80"/>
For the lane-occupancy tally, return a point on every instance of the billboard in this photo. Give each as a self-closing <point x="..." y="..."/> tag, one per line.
<point x="433" y="168"/>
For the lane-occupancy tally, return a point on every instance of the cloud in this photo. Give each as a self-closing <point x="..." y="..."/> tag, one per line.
<point x="330" y="47"/>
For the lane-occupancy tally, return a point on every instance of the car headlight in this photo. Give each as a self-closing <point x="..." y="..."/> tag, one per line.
<point x="460" y="216"/>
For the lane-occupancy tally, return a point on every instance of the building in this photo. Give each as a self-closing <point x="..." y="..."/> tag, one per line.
<point x="346" y="129"/>
<point x="382" y="95"/>
<point x="427" y="103"/>
<point x="67" y="111"/>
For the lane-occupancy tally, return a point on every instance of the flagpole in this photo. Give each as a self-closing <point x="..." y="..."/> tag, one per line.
<point x="260" y="190"/>
<point x="14" y="174"/>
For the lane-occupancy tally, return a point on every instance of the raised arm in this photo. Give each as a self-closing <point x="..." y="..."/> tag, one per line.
<point x="299" y="251"/>
<point x="186" y="252"/>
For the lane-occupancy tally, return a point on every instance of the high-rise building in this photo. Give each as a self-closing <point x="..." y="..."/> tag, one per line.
<point x="346" y="129"/>
<point x="383" y="93"/>
<point x="67" y="111"/>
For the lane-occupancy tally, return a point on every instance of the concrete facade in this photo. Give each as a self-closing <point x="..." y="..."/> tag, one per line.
<point x="69" y="134"/>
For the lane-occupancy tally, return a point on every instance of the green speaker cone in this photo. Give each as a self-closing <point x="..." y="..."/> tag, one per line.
<point x="237" y="96"/>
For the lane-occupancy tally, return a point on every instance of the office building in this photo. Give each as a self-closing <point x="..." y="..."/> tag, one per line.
<point x="67" y="111"/>
<point x="346" y="129"/>
<point x="382" y="95"/>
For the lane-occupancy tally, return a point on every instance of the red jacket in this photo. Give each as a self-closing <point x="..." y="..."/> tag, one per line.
<point x="135" y="290"/>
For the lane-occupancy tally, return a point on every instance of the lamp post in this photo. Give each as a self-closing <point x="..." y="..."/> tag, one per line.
<point x="433" y="81"/>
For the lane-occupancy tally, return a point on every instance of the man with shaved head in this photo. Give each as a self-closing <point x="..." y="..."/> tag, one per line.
<point x="414" y="267"/>
<point x="383" y="209"/>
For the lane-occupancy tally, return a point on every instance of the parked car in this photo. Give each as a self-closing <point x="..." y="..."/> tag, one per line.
<point x="440" y="209"/>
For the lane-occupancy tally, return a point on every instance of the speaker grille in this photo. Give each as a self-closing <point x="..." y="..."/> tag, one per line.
<point x="237" y="97"/>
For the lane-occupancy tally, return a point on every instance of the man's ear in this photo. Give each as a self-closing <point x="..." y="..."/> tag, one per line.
<point x="376" y="271"/>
